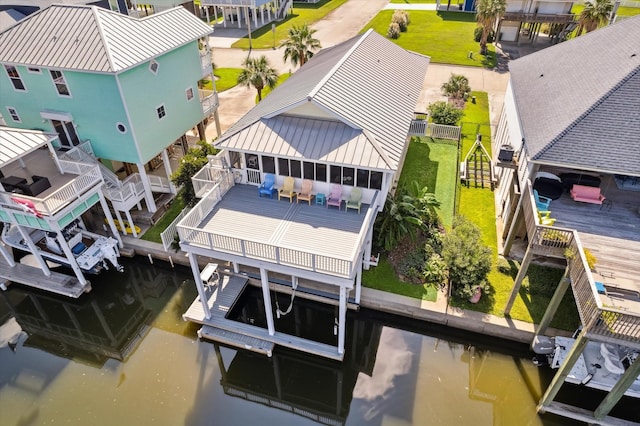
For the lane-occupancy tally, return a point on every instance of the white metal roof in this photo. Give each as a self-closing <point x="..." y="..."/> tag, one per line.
<point x="16" y="143"/>
<point x="91" y="38"/>
<point x="367" y="83"/>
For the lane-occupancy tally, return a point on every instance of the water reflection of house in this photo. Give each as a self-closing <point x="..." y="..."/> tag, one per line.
<point x="276" y="381"/>
<point x="90" y="330"/>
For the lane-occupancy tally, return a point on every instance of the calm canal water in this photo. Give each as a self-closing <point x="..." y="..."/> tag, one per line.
<point x="122" y="355"/>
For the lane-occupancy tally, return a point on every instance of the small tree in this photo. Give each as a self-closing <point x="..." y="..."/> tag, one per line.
<point x="258" y="73"/>
<point x="401" y="17"/>
<point x="442" y="112"/>
<point x="487" y="13"/>
<point x="300" y="44"/>
<point x="190" y="164"/>
<point x="393" y="31"/>
<point x="456" y="87"/>
<point x="594" y="15"/>
<point x="469" y="260"/>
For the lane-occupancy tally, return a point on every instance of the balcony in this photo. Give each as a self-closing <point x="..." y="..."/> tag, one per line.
<point x="209" y="101"/>
<point x="539" y="17"/>
<point x="206" y="66"/>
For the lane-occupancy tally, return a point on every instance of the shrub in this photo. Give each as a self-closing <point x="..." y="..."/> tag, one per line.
<point x="191" y="163"/>
<point x="401" y="17"/>
<point x="503" y="266"/>
<point x="477" y="35"/>
<point x="393" y="31"/>
<point x="456" y="87"/>
<point x="411" y="266"/>
<point x="435" y="271"/>
<point x="442" y="112"/>
<point x="469" y="261"/>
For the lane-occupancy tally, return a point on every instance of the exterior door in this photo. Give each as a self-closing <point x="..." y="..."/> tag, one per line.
<point x="67" y="133"/>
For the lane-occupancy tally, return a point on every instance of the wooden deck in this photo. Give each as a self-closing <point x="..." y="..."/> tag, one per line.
<point x="34" y="277"/>
<point x="298" y="226"/>
<point x="222" y="298"/>
<point x="610" y="233"/>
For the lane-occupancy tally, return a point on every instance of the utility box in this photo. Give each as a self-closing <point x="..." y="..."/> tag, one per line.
<point x="506" y="153"/>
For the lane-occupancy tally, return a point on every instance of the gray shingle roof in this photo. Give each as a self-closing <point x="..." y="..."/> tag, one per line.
<point x="367" y="83"/>
<point x="90" y="38"/>
<point x="579" y="101"/>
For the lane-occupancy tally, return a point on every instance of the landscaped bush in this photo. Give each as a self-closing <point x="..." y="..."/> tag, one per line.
<point x="393" y="31"/>
<point x="477" y="35"/>
<point x="456" y="87"/>
<point x="468" y="259"/>
<point x="442" y="112"/>
<point x="401" y="17"/>
<point x="191" y="163"/>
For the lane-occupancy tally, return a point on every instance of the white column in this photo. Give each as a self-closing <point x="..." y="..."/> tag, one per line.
<point x="255" y="18"/>
<point x="148" y="195"/>
<point x="167" y="170"/>
<point x="342" y="319"/>
<point x="7" y="255"/>
<point x="238" y="10"/>
<point x="269" y="14"/>
<point x="52" y="151"/>
<point x="264" y="277"/>
<point x="262" y="13"/>
<point x="215" y="14"/>
<point x="224" y="17"/>
<point x="70" y="258"/>
<point x="367" y="246"/>
<point x="236" y="269"/>
<point x="27" y="238"/>
<point x="119" y="216"/>
<point x="206" y="10"/>
<point x="199" y="285"/>
<point x="358" y="285"/>
<point x="131" y="225"/>
<point x="112" y="225"/>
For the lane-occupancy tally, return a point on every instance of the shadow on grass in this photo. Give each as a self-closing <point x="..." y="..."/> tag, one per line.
<point x="456" y="16"/>
<point x="311" y="5"/>
<point x="267" y="28"/>
<point x="485" y="305"/>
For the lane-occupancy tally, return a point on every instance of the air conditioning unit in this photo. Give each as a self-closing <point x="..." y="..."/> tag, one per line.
<point x="506" y="153"/>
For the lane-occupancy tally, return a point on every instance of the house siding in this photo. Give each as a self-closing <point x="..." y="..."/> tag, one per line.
<point x="144" y="91"/>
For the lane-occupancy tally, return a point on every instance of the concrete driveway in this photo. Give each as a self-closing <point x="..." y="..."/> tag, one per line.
<point x="340" y="25"/>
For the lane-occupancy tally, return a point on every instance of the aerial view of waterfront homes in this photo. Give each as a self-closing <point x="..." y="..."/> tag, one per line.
<point x="300" y="172"/>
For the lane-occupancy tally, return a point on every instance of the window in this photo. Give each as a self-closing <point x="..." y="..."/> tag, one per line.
<point x="335" y="175"/>
<point x="376" y="180"/>
<point x="153" y="66"/>
<point x="268" y="164"/>
<point x="12" y="72"/>
<point x="307" y="170"/>
<point x="121" y="128"/>
<point x="161" y="112"/>
<point x="348" y="176"/>
<point x="234" y="158"/>
<point x="283" y="167"/>
<point x="34" y="70"/>
<point x="189" y="93"/>
<point x="60" y="83"/>
<point x="252" y="161"/>
<point x="14" y="114"/>
<point x="363" y="178"/>
<point x="296" y="170"/>
<point x="321" y="172"/>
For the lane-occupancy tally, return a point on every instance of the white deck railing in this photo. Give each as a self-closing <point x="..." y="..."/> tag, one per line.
<point x="209" y="101"/>
<point x="89" y="178"/>
<point x="170" y="232"/>
<point x="132" y="189"/>
<point x="159" y="184"/>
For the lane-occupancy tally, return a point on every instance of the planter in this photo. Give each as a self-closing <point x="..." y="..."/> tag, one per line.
<point x="476" y="296"/>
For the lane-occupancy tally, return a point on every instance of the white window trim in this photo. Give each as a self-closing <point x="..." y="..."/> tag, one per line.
<point x="165" y="111"/>
<point x="11" y="79"/>
<point x="34" y="70"/>
<point x="64" y="80"/>
<point x="9" y="108"/>
<point x="193" y="94"/>
<point x="2" y="121"/>
<point x="153" y="61"/>
<point x="120" y="123"/>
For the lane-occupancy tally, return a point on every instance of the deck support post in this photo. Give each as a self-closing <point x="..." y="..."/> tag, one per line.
<point x="266" y="294"/>
<point x="236" y="268"/>
<point x="518" y="281"/>
<point x="120" y="221"/>
<point x="148" y="194"/>
<point x="34" y="251"/>
<point x="515" y="222"/>
<point x="7" y="255"/>
<point x="552" y="308"/>
<point x="195" y="269"/>
<point x="70" y="258"/>
<point x="618" y="390"/>
<point x="367" y="247"/>
<point x="342" y="319"/>
<point x="112" y="225"/>
<point x="358" y="285"/>
<point x="131" y="225"/>
<point x="167" y="170"/>
<point x="564" y="370"/>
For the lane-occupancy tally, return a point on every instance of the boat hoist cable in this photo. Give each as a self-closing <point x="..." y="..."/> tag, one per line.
<point x="280" y="313"/>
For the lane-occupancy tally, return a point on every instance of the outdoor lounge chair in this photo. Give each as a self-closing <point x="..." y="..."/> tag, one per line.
<point x="542" y="203"/>
<point x="335" y="198"/>
<point x="287" y="189"/>
<point x="266" y="187"/>
<point x="305" y="192"/>
<point x="545" y="218"/>
<point x="355" y="200"/>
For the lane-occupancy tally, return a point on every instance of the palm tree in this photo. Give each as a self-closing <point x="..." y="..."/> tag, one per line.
<point x="487" y="13"/>
<point x="258" y="73"/>
<point x="594" y="15"/>
<point x="456" y="87"/>
<point x="300" y="44"/>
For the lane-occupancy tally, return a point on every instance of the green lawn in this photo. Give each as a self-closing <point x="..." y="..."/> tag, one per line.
<point x="262" y="38"/>
<point x="412" y="1"/>
<point x="153" y="233"/>
<point x="447" y="37"/>
<point x="622" y="10"/>
<point x="226" y="78"/>
<point x="383" y="277"/>
<point x="478" y="205"/>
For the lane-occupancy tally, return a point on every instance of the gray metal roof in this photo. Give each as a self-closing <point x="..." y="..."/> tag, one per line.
<point x="90" y="38"/>
<point x="367" y="83"/>
<point x="579" y="101"/>
<point x="16" y="143"/>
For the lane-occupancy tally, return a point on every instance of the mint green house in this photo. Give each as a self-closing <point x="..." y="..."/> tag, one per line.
<point x="118" y="91"/>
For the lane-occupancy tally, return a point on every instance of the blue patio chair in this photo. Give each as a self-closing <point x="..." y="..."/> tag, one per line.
<point x="267" y="185"/>
<point x="542" y="203"/>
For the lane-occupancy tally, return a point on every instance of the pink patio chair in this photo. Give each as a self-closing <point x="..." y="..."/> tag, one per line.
<point x="335" y="198"/>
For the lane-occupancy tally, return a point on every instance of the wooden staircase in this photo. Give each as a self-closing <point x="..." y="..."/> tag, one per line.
<point x="477" y="167"/>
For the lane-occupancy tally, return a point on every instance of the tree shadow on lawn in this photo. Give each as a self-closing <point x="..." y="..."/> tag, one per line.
<point x="456" y="16"/>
